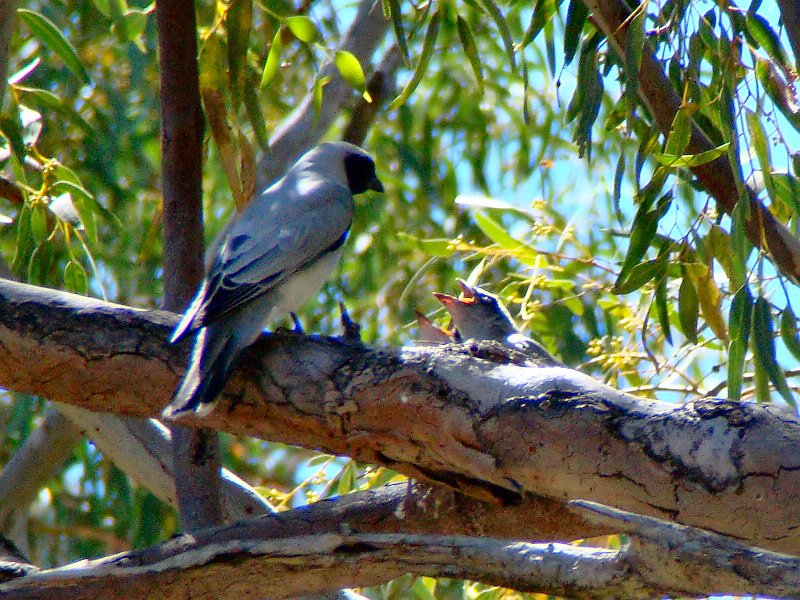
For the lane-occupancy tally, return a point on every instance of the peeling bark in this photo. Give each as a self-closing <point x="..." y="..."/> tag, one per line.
<point x="467" y="417"/>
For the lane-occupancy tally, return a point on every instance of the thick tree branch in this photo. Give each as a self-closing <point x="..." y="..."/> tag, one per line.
<point x="196" y="452"/>
<point x="763" y="229"/>
<point x="47" y="448"/>
<point x="251" y="565"/>
<point x="461" y="416"/>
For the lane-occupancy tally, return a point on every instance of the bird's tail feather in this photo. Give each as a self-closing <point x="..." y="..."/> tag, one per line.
<point x="214" y="356"/>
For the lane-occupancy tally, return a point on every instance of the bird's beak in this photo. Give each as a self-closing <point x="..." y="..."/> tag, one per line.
<point x="467" y="290"/>
<point x="376" y="185"/>
<point x="445" y="299"/>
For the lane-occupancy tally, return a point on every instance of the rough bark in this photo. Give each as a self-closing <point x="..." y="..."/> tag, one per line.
<point x="226" y="562"/>
<point x="196" y="451"/>
<point x="466" y="417"/>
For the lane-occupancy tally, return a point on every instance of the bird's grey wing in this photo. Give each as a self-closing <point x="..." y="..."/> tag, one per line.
<point x="259" y="253"/>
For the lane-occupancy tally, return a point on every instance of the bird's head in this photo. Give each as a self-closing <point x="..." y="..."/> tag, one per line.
<point x="346" y="162"/>
<point x="478" y="314"/>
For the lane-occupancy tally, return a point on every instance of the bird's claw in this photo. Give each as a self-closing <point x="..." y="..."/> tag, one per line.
<point x="298" y="326"/>
<point x="352" y="330"/>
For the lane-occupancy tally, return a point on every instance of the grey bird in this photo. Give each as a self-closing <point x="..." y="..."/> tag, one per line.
<point x="480" y="315"/>
<point x="268" y="261"/>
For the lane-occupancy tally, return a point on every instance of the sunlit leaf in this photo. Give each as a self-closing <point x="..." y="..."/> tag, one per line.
<point x="691" y="160"/>
<point x="302" y="28"/>
<point x="39" y="226"/>
<point x="75" y="278"/>
<point x="350" y="69"/>
<point x="273" y="61"/>
<point x="709" y="297"/>
<point x="47" y="33"/>
<point x="758" y="137"/>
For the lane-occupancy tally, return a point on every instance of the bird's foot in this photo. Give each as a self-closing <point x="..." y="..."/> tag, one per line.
<point x="298" y="326"/>
<point x="352" y="330"/>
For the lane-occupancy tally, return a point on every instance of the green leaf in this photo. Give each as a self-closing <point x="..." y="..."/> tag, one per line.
<point x="239" y="21"/>
<point x="787" y="190"/>
<point x="24" y="244"/>
<point x="764" y="349"/>
<point x="471" y="50"/>
<point x="688" y="308"/>
<point x="758" y="138"/>
<point x="761" y="31"/>
<point x="718" y="243"/>
<point x="75" y="278"/>
<point x="273" y="63"/>
<point x="47" y="33"/>
<point x="638" y="276"/>
<point x="497" y="16"/>
<point x="761" y="378"/>
<point x="350" y="69"/>
<point x="585" y="102"/>
<point x="634" y="46"/>
<point x="10" y="128"/>
<point x="302" y="28"/>
<point x="397" y="22"/>
<point x="498" y="234"/>
<point x="679" y="133"/>
<point x="39" y="227"/>
<point x="662" y="309"/>
<point x="542" y="14"/>
<point x="691" y="160"/>
<point x="256" y="117"/>
<point x="789" y="333"/>
<point x="576" y="18"/>
<point x="431" y="247"/>
<point x="737" y="350"/>
<point x="739" y="241"/>
<point x="319" y="86"/>
<point x="779" y="91"/>
<point x="419" y="72"/>
<point x="643" y="232"/>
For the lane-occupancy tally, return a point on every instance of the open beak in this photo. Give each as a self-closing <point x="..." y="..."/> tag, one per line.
<point x="467" y="290"/>
<point x="445" y="299"/>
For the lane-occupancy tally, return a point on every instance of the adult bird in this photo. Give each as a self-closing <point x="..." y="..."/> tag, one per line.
<point x="268" y="262"/>
<point x="480" y="315"/>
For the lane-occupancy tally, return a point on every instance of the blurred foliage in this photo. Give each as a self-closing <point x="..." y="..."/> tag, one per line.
<point x="517" y="153"/>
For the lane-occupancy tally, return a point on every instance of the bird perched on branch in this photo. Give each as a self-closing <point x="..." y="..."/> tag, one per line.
<point x="480" y="315"/>
<point x="268" y="261"/>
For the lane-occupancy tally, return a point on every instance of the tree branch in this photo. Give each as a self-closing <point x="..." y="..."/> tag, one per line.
<point x="254" y="566"/>
<point x="196" y="452"/>
<point x="462" y="416"/>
